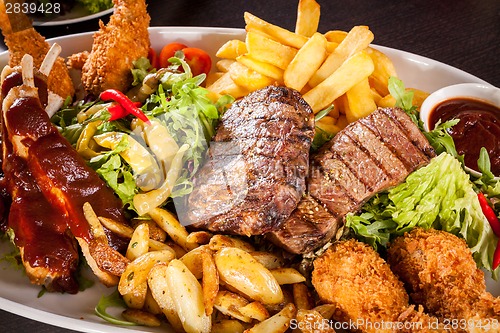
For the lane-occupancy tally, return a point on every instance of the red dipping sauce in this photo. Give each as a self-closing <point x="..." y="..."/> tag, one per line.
<point x="479" y="126"/>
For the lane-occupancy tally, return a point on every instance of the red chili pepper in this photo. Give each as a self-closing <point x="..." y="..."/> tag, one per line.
<point x="117" y="111"/>
<point x="129" y="106"/>
<point x="496" y="256"/>
<point x="489" y="213"/>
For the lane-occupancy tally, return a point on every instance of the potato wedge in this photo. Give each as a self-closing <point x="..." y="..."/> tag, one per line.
<point x="255" y="310"/>
<point x="193" y="261"/>
<point x="157" y="282"/>
<point x="353" y="70"/>
<point x="311" y="321"/>
<point x="187" y="296"/>
<point x="137" y="271"/>
<point x="241" y="271"/>
<point x="137" y="298"/>
<point x="168" y="222"/>
<point x="302" y="297"/>
<point x="218" y="242"/>
<point x="268" y="259"/>
<point x="306" y="62"/>
<point x="287" y="275"/>
<point x="229" y="304"/>
<point x="142" y="318"/>
<point x="228" y="326"/>
<point x="278" y="323"/>
<point x="356" y="40"/>
<point x="308" y="14"/>
<point x="139" y="243"/>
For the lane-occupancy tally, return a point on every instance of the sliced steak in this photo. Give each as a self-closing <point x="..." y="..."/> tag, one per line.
<point x="256" y="167"/>
<point x="370" y="155"/>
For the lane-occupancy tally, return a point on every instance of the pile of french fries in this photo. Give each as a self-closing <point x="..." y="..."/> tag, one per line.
<point x="337" y="68"/>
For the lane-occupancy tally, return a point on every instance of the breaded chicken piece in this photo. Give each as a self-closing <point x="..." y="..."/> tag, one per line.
<point x="440" y="273"/>
<point x="21" y="38"/>
<point x="116" y="45"/>
<point x="352" y="276"/>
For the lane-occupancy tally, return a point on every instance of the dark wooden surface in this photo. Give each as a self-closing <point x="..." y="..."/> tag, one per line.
<point x="464" y="34"/>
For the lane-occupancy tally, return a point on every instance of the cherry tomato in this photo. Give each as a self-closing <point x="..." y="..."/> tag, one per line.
<point x="153" y="58"/>
<point x="198" y="60"/>
<point x="168" y="51"/>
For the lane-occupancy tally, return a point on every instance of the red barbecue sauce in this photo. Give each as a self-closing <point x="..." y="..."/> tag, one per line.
<point x="479" y="126"/>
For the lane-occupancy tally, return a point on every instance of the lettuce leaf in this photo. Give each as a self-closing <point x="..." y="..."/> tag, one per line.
<point x="439" y="195"/>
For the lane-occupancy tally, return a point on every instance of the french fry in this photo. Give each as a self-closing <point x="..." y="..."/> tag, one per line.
<point x="248" y="78"/>
<point x="229" y="304"/>
<point x="96" y="227"/>
<point x="308" y="14"/>
<point x="302" y="297"/>
<point x="211" y="78"/>
<point x="224" y="64"/>
<point x="155" y="232"/>
<point x="306" y="62"/>
<point x="139" y="243"/>
<point x="287" y="275"/>
<point x="418" y="97"/>
<point x="168" y="222"/>
<point x="187" y="295"/>
<point x="231" y="49"/>
<point x="281" y="35"/>
<point x="157" y="282"/>
<point x="353" y="70"/>
<point x="218" y="242"/>
<point x="261" y="67"/>
<point x="228" y="326"/>
<point x="360" y="99"/>
<point x="210" y="282"/>
<point x="384" y="69"/>
<point x="225" y="85"/>
<point x="332" y="125"/>
<point x="255" y="310"/>
<point x="270" y="51"/>
<point x="278" y="323"/>
<point x="335" y="36"/>
<point x="141" y="317"/>
<point x="241" y="271"/>
<point x="356" y="40"/>
<point x="137" y="271"/>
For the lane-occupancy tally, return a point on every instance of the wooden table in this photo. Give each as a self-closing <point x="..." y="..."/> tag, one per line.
<point x="464" y="34"/>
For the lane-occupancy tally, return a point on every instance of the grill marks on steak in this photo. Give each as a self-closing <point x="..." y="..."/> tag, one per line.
<point x="255" y="172"/>
<point x="368" y="156"/>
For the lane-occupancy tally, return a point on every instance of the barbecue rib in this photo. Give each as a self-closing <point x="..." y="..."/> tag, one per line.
<point x="255" y="173"/>
<point x="368" y="156"/>
<point x="49" y="183"/>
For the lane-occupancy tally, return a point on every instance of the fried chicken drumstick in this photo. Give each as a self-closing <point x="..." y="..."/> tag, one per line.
<point x="21" y="38"/>
<point x="116" y="46"/>
<point x="352" y="276"/>
<point x="441" y="274"/>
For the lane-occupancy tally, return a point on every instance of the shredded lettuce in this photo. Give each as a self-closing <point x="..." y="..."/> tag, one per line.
<point x="439" y="195"/>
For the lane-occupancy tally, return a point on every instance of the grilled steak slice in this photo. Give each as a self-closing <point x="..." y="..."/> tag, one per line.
<point x="255" y="172"/>
<point x="367" y="157"/>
